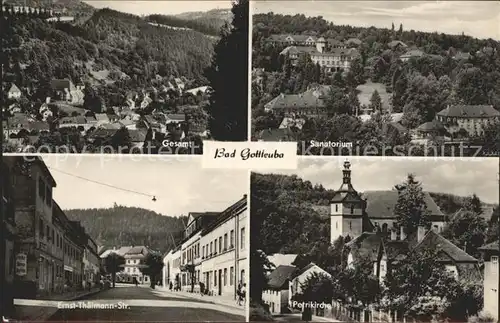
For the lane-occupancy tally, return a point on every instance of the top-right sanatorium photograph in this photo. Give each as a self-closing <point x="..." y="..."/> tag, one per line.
<point x="377" y="78"/>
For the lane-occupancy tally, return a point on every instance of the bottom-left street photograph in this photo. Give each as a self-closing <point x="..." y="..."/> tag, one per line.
<point x="122" y="238"/>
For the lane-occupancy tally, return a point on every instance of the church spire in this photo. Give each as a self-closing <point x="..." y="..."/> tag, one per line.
<point x="347" y="173"/>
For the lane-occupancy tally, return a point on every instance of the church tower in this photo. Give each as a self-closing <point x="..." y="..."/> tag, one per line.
<point x="346" y="209"/>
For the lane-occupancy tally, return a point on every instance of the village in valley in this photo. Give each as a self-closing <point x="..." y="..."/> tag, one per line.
<point x="95" y="92"/>
<point x="393" y="255"/>
<point x="316" y="81"/>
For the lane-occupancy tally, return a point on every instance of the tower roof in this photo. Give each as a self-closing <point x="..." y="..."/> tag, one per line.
<point x="346" y="192"/>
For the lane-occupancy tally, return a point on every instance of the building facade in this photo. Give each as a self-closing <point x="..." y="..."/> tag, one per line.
<point x="490" y="279"/>
<point x="276" y="296"/>
<point x="49" y="247"/>
<point x="468" y="119"/>
<point x="214" y="251"/>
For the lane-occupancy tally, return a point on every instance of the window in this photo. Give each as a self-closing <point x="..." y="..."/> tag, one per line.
<point x="352" y="209"/>
<point x="242" y="238"/>
<point x="336" y="207"/>
<point x="211" y="244"/>
<point x="215" y="278"/>
<point x="225" y="241"/>
<point x="225" y="276"/>
<point x="231" y="276"/>
<point x="220" y="244"/>
<point x="231" y="239"/>
<point x="494" y="260"/>
<point x="48" y="196"/>
<point x="203" y="251"/>
<point x="350" y="225"/>
<point x="41" y="228"/>
<point x="242" y="276"/>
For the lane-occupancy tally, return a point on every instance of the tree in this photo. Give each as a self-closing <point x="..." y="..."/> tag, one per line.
<point x="359" y="286"/>
<point x="260" y="268"/>
<point x="152" y="266"/>
<point x="376" y="101"/>
<point x="317" y="288"/>
<point x="113" y="264"/>
<point x="411" y="209"/>
<point x="228" y="98"/>
<point x="419" y="287"/>
<point x="474" y="205"/>
<point x="493" y="226"/>
<point x="467" y="230"/>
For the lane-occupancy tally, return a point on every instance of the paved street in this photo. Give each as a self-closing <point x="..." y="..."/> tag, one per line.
<point x="130" y="303"/>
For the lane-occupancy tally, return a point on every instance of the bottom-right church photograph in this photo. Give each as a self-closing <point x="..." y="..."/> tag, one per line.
<point x="376" y="240"/>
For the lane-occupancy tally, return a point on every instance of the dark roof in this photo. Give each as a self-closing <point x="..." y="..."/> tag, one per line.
<point x="279" y="277"/>
<point x="61" y="84"/>
<point x="433" y="125"/>
<point x="395" y="249"/>
<point x="225" y="215"/>
<point x="365" y="246"/>
<point x="301" y="100"/>
<point x="469" y="111"/>
<point x="395" y="43"/>
<point x="103" y="133"/>
<point x="137" y="135"/>
<point x="302" y="270"/>
<point x="137" y="250"/>
<point x="433" y="240"/>
<point x="490" y="247"/>
<point x="285" y="134"/>
<point x="381" y="204"/>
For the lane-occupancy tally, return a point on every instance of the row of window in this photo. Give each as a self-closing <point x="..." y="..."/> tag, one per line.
<point x="45" y="192"/>
<point x="51" y="236"/>
<point x="131" y="270"/>
<point x="217" y="246"/>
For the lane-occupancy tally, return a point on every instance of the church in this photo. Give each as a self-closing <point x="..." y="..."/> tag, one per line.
<point x="352" y="213"/>
<point x="370" y="221"/>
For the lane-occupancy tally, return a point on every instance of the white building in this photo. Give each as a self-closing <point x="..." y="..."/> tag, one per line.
<point x="277" y="295"/>
<point x="171" y="271"/>
<point x="300" y="277"/>
<point x="214" y="252"/>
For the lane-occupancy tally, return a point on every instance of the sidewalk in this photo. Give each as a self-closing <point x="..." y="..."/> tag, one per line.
<point x="218" y="300"/>
<point x="42" y="313"/>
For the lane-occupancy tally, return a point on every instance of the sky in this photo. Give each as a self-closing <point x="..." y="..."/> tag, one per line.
<point x="179" y="184"/>
<point x="475" y="18"/>
<point x="166" y="7"/>
<point x="461" y="177"/>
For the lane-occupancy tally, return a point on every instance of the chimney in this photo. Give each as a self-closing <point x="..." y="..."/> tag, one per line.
<point x="394" y="235"/>
<point x="402" y="233"/>
<point x="420" y="233"/>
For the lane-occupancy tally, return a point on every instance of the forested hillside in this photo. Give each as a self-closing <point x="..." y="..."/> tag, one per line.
<point x="208" y="23"/>
<point x="124" y="48"/>
<point x="123" y="226"/>
<point x="283" y="218"/>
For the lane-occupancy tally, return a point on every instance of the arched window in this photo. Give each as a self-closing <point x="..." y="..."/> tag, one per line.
<point x="352" y="209"/>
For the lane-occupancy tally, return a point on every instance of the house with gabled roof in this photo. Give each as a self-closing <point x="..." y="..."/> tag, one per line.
<point x="277" y="293"/>
<point x="14" y="92"/>
<point x="471" y="119"/>
<point x="301" y="275"/>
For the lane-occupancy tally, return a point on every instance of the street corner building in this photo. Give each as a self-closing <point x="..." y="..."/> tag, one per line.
<point x="214" y="251"/>
<point x="46" y="253"/>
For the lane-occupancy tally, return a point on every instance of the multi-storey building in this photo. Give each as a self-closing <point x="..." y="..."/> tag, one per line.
<point x="490" y="276"/>
<point x="469" y="119"/>
<point x="7" y="234"/>
<point x="134" y="257"/>
<point x="214" y="252"/>
<point x="50" y="245"/>
<point x="330" y="59"/>
<point x="91" y="264"/>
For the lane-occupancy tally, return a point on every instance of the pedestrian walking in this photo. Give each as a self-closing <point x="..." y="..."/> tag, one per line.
<point x="136" y="282"/>
<point x="170" y="286"/>
<point x="202" y="288"/>
<point x="238" y="294"/>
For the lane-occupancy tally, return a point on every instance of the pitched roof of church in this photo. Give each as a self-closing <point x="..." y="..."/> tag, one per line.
<point x="381" y="204"/>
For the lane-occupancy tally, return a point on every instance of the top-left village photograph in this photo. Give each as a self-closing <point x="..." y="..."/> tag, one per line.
<point x="123" y="77"/>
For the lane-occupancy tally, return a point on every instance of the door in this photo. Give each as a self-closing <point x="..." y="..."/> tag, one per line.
<point x="219" y="280"/>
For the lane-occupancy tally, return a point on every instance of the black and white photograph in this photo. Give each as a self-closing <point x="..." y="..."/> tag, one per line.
<point x="123" y="239"/>
<point x="372" y="240"/>
<point x="141" y="77"/>
<point x="377" y="78"/>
